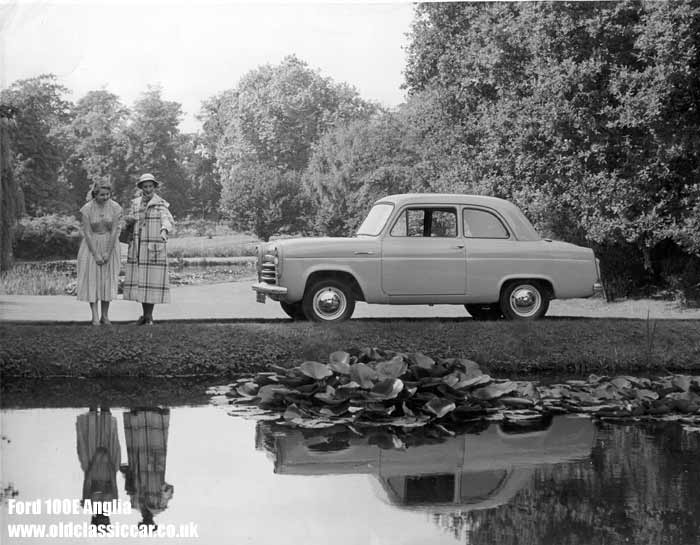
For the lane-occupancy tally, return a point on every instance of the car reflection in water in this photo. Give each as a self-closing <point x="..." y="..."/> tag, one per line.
<point x="480" y="469"/>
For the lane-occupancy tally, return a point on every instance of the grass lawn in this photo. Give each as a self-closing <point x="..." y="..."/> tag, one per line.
<point x="561" y="346"/>
<point x="232" y="245"/>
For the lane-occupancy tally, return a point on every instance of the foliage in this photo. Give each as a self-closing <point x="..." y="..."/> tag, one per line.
<point x="355" y="164"/>
<point x="98" y="142"/>
<point x="264" y="200"/>
<point x="582" y="113"/>
<point x="8" y="188"/>
<point x="53" y="236"/>
<point x="38" y="143"/>
<point x="24" y="279"/>
<point x="153" y="146"/>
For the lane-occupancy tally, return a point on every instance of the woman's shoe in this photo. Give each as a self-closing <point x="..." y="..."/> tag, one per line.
<point x="96" y="322"/>
<point x="105" y="321"/>
<point x="141" y="320"/>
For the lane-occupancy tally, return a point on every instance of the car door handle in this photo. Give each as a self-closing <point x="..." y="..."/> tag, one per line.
<point x="364" y="253"/>
<point x="460" y="246"/>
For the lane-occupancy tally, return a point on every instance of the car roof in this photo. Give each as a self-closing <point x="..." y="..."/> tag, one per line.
<point x="521" y="226"/>
<point x="445" y="198"/>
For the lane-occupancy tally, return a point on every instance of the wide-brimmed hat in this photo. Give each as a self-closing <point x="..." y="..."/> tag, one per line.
<point x="147" y="178"/>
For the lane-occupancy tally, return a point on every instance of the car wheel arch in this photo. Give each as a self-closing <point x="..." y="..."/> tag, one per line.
<point x="340" y="275"/>
<point x="544" y="281"/>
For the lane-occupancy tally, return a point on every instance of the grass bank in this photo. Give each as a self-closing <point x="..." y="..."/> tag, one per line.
<point x="571" y="346"/>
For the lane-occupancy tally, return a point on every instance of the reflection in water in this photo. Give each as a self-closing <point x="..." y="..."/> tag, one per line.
<point x="100" y="456"/>
<point x="432" y="472"/>
<point x="146" y="432"/>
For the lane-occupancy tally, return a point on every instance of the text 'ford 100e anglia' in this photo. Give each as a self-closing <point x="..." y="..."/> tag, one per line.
<point x="412" y="249"/>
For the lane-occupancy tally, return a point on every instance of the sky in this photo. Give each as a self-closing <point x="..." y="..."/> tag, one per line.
<point x="196" y="49"/>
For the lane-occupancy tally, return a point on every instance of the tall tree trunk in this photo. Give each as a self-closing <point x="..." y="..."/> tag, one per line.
<point x="8" y="189"/>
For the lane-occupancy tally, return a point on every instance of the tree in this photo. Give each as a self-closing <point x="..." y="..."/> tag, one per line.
<point x="99" y="145"/>
<point x="583" y="113"/>
<point x="353" y="165"/>
<point x="38" y="145"/>
<point x="264" y="200"/>
<point x="8" y="188"/>
<point x="268" y="126"/>
<point x="153" y="133"/>
<point x="203" y="182"/>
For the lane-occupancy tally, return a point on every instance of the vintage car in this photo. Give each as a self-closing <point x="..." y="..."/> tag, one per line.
<point x="476" y="251"/>
<point x="465" y="472"/>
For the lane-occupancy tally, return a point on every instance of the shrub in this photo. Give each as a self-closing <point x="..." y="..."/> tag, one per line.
<point x="47" y="237"/>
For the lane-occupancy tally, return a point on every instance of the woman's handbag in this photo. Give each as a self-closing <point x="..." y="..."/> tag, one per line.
<point x="127" y="234"/>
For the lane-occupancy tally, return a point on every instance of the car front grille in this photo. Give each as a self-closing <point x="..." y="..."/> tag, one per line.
<point x="268" y="273"/>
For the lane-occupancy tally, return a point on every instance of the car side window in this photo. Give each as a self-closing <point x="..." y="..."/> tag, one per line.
<point x="483" y="224"/>
<point x="426" y="222"/>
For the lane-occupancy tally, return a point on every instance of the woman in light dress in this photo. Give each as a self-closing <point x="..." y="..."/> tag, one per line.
<point x="99" y="253"/>
<point x="147" y="280"/>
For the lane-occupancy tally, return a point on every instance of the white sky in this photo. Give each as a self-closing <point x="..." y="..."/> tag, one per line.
<point x="194" y="50"/>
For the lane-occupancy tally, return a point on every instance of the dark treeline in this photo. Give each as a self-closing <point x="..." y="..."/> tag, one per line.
<point x="585" y="114"/>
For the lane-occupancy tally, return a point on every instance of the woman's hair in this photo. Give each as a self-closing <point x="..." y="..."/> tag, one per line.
<point x="95" y="188"/>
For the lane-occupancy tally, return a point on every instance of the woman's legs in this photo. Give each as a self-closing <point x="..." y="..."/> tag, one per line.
<point x="105" y="313"/>
<point x="95" y="315"/>
<point x="148" y="311"/>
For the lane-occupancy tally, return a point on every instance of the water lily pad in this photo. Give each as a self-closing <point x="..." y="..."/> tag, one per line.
<point x="315" y="370"/>
<point x="291" y="413"/>
<point x="220" y="400"/>
<point x="517" y="402"/>
<point x="248" y="389"/>
<point x="340" y="362"/>
<point x="474" y="382"/>
<point x="387" y="389"/>
<point x="681" y="383"/>
<point x="423" y="361"/>
<point x="494" y="391"/>
<point x="363" y="375"/>
<point x="268" y="392"/>
<point x="219" y="390"/>
<point x="393" y="368"/>
<point x="439" y="407"/>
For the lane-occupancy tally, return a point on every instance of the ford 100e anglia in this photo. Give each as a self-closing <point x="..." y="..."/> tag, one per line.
<point x="428" y="249"/>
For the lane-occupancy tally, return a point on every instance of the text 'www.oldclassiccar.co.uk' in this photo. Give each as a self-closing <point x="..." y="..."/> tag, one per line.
<point x="86" y="529"/>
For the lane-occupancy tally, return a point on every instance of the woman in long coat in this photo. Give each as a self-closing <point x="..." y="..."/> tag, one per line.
<point x="146" y="433"/>
<point x="99" y="253"/>
<point x="147" y="278"/>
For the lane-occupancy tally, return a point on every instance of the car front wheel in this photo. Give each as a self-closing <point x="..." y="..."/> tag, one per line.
<point x="524" y="300"/>
<point x="328" y="301"/>
<point x="293" y="310"/>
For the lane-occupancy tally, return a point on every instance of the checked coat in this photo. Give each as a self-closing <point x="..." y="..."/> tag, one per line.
<point x="147" y="278"/>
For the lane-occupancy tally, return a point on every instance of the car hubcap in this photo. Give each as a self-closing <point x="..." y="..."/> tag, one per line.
<point x="525" y="300"/>
<point x="330" y="303"/>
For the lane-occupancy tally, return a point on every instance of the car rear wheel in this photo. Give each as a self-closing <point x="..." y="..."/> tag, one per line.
<point x="484" y="312"/>
<point x="293" y="310"/>
<point x="524" y="300"/>
<point x="329" y="301"/>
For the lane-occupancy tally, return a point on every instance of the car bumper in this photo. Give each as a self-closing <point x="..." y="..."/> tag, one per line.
<point x="263" y="289"/>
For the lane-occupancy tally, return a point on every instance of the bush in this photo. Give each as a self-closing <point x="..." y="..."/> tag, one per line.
<point x="47" y="237"/>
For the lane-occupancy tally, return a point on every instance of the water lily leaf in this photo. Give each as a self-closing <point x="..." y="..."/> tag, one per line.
<point x="621" y="383"/>
<point x="249" y="389"/>
<point x="370" y="354"/>
<point x="393" y="368"/>
<point x="268" y="392"/>
<point x="480" y="380"/>
<point x="410" y="421"/>
<point x="363" y="375"/>
<point x="423" y="361"/>
<point x="453" y="378"/>
<point x="340" y="362"/>
<point x="291" y="413"/>
<point x="352" y="385"/>
<point x="439" y="407"/>
<point x="470" y="368"/>
<point x="518" y="402"/>
<point x="494" y="390"/>
<point x="315" y="370"/>
<point x="646" y="395"/>
<point x="220" y="400"/>
<point x="681" y="383"/>
<point x="387" y="389"/>
<point x="528" y="390"/>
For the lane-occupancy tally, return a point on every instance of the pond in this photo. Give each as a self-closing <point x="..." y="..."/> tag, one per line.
<point x="195" y="468"/>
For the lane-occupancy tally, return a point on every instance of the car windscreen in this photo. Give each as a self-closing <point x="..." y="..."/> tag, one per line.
<point x="376" y="219"/>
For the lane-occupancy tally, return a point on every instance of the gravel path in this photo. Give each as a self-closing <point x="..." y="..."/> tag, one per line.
<point x="236" y="300"/>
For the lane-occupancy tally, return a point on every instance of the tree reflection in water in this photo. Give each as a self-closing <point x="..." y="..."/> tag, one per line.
<point x="641" y="486"/>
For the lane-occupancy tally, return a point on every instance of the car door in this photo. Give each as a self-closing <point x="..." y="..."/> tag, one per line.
<point x="423" y="254"/>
